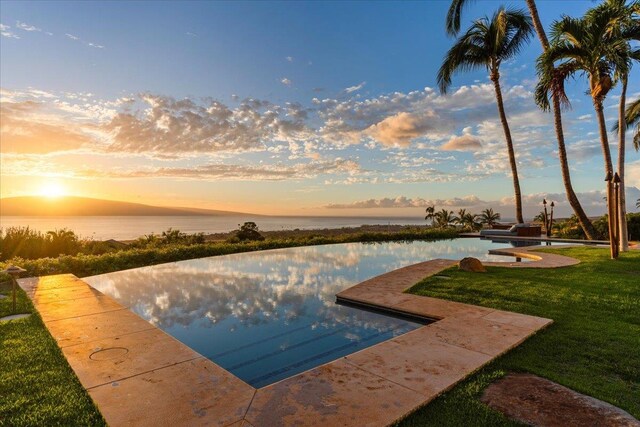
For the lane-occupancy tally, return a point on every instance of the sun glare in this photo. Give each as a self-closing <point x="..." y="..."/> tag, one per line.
<point x="52" y="190"/>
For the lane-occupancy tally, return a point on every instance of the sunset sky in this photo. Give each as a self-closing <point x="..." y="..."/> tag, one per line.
<point x="280" y="108"/>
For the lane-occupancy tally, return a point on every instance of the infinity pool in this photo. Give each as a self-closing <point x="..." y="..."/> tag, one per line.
<point x="265" y="316"/>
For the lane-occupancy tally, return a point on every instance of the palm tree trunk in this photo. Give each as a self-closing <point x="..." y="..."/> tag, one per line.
<point x="495" y="77"/>
<point x="583" y="219"/>
<point x="533" y="11"/>
<point x="622" y="200"/>
<point x="608" y="167"/>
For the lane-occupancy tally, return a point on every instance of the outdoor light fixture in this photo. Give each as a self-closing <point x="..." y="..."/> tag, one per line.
<point x="613" y="218"/>
<point x="550" y="220"/>
<point x="546" y="217"/>
<point x="14" y="272"/>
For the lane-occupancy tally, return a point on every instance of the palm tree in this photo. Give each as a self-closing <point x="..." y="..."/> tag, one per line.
<point x="632" y="117"/>
<point x="486" y="44"/>
<point x="460" y="218"/>
<point x="580" y="46"/>
<point x="489" y="217"/>
<point x="430" y="213"/>
<point x="470" y="221"/>
<point x="444" y="218"/>
<point x="623" y="27"/>
<point x="453" y="26"/>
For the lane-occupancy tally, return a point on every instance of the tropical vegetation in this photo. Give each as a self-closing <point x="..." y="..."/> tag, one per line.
<point x="453" y="19"/>
<point x="487" y="44"/>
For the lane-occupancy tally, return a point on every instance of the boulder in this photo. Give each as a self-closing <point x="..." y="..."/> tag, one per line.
<point x="471" y="264"/>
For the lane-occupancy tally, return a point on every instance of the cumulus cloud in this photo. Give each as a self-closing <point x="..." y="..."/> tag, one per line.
<point x="406" y="202"/>
<point x="592" y="201"/>
<point x="289" y="58"/>
<point x="402" y="128"/>
<point x="464" y="142"/>
<point x="355" y="88"/>
<point x="5" y="31"/>
<point x="167" y="125"/>
<point x="285" y="81"/>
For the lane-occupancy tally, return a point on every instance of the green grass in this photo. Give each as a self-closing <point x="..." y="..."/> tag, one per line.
<point x="37" y="386"/>
<point x="592" y="347"/>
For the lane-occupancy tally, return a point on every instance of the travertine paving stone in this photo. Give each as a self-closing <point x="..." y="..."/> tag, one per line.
<point x="111" y="359"/>
<point x="193" y="393"/>
<point x="420" y="361"/>
<point x="83" y="329"/>
<point x="77" y="307"/>
<point x="335" y="394"/>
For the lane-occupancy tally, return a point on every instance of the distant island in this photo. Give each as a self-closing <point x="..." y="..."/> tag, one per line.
<point x="84" y="206"/>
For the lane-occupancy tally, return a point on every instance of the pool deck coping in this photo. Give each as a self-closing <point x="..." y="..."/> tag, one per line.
<point x="139" y="375"/>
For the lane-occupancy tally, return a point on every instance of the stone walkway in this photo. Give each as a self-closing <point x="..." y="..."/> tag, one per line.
<point x="139" y="375"/>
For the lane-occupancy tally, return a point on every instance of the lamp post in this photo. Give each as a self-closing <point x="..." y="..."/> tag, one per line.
<point x="546" y="217"/>
<point x="14" y="272"/>
<point x="550" y="220"/>
<point x="612" y="241"/>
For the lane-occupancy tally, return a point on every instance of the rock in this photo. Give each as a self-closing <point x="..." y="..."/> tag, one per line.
<point x="536" y="401"/>
<point x="471" y="264"/>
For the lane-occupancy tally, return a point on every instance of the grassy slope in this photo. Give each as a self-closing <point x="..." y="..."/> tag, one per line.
<point x="37" y="386"/>
<point x="593" y="346"/>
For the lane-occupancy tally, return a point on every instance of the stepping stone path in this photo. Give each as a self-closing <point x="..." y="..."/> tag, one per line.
<point x="539" y="402"/>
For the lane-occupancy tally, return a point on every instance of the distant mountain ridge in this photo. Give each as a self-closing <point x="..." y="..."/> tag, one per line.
<point x="85" y="206"/>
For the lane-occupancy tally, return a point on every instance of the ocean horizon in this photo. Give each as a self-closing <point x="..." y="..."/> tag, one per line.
<point x="132" y="227"/>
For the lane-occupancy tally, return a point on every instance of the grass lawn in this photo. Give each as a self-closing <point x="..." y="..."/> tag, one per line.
<point x="593" y="346"/>
<point x="37" y="386"/>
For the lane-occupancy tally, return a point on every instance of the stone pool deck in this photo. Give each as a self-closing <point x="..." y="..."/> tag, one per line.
<point x="139" y="375"/>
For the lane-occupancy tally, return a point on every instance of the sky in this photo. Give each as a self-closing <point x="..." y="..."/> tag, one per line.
<point x="288" y="108"/>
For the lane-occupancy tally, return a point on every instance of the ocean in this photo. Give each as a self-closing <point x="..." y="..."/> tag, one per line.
<point x="132" y="227"/>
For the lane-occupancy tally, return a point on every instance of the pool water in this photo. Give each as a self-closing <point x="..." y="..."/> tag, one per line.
<point x="265" y="316"/>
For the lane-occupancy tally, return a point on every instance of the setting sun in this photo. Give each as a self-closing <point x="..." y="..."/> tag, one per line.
<point x="52" y="190"/>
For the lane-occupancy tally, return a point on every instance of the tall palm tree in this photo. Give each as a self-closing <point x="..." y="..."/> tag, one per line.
<point x="453" y="26"/>
<point x="579" y="46"/>
<point x="489" y="217"/>
<point x="487" y="43"/>
<point x="623" y="26"/>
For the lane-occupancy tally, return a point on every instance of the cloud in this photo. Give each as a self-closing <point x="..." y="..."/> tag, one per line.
<point x="355" y="88"/>
<point x="26" y="27"/>
<point x="465" y="142"/>
<point x="169" y="126"/>
<point x="190" y="34"/>
<point x="233" y="172"/>
<point x="289" y="58"/>
<point x="402" y="128"/>
<point x="592" y="201"/>
<point x="406" y="202"/>
<point x="285" y="81"/>
<point x="27" y="128"/>
<point x="5" y="31"/>
<point x="86" y="43"/>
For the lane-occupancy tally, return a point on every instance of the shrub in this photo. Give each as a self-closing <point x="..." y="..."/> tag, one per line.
<point x="249" y="232"/>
